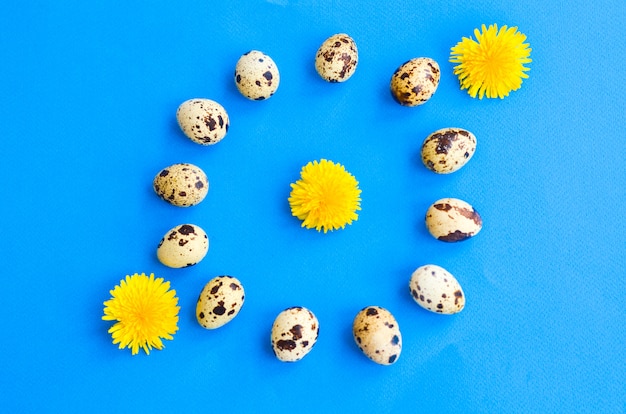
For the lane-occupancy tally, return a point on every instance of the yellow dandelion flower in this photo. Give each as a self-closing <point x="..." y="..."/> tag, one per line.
<point x="145" y="310"/>
<point x="326" y="197"/>
<point x="493" y="64"/>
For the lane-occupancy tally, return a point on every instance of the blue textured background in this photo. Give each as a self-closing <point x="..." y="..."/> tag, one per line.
<point x="89" y="93"/>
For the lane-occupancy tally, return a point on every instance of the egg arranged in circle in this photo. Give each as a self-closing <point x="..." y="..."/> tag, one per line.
<point x="182" y="246"/>
<point x="182" y="185"/>
<point x="256" y="76"/>
<point x="452" y="220"/>
<point x="415" y="81"/>
<point x="219" y="302"/>
<point x="436" y="290"/>
<point x="337" y="58"/>
<point x="203" y="121"/>
<point x="448" y="149"/>
<point x="377" y="334"/>
<point x="294" y="332"/>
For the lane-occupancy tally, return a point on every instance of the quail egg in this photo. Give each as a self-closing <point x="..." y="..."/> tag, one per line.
<point x="377" y="334"/>
<point x="219" y="302"/>
<point x="448" y="149"/>
<point x="415" y="81"/>
<point x="452" y="220"/>
<point x="436" y="290"/>
<point x="183" y="246"/>
<point x="203" y="121"/>
<point x="256" y="75"/>
<point x="337" y="58"/>
<point x="294" y="333"/>
<point x="182" y="185"/>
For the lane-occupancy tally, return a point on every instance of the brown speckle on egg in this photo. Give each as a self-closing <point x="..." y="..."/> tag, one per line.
<point x="452" y="220"/>
<point x="203" y="121"/>
<point x="377" y="334"/>
<point x="183" y="246"/>
<point x="256" y="75"/>
<point x="415" y="81"/>
<point x="215" y="306"/>
<point x="337" y="58"/>
<point x="441" y="291"/>
<point x="448" y="149"/>
<point x="174" y="185"/>
<point x="294" y="332"/>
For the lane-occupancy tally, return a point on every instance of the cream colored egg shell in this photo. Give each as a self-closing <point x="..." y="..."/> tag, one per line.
<point x="377" y="334"/>
<point x="183" y="246"/>
<point x="203" y="121"/>
<point x="182" y="185"/>
<point x="219" y="302"/>
<point x="448" y="149"/>
<point x="337" y="58"/>
<point x="415" y="81"/>
<point x="436" y="290"/>
<point x="452" y="220"/>
<point x="256" y="76"/>
<point x="294" y="332"/>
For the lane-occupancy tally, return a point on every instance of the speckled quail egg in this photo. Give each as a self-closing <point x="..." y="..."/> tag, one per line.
<point x="452" y="220"/>
<point x="436" y="290"/>
<point x="415" y="81"/>
<point x="219" y="302"/>
<point x="203" y="121"/>
<point x="294" y="333"/>
<point x="337" y="58"/>
<point x="448" y="149"/>
<point x="377" y="334"/>
<point x="182" y="185"/>
<point x="256" y="75"/>
<point x="182" y="246"/>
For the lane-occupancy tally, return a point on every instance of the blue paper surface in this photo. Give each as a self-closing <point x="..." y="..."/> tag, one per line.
<point x="90" y="91"/>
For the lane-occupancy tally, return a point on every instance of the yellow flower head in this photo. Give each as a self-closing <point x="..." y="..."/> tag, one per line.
<point x="325" y="197"/>
<point x="145" y="310"/>
<point x="493" y="64"/>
